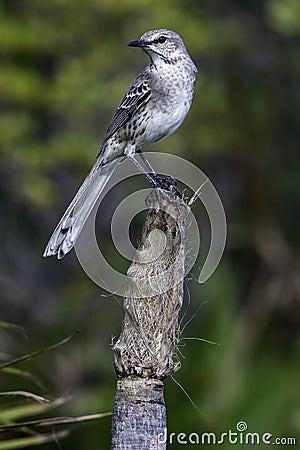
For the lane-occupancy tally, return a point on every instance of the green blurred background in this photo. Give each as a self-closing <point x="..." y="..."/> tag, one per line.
<point x="64" y="68"/>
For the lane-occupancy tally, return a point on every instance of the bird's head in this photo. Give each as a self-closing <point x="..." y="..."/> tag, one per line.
<point x="163" y="45"/>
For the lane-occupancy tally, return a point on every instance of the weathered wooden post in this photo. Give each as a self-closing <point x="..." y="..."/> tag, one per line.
<point x="144" y="352"/>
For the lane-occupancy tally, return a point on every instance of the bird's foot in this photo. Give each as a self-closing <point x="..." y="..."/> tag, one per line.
<point x="167" y="183"/>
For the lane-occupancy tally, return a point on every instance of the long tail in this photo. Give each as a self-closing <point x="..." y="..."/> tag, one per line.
<point x="67" y="231"/>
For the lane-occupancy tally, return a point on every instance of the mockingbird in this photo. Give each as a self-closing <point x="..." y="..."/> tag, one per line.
<point x="154" y="106"/>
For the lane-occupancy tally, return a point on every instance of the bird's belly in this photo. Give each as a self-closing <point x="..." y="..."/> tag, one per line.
<point x="165" y="122"/>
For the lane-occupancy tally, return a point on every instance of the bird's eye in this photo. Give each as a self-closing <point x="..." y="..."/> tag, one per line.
<point x="162" y="39"/>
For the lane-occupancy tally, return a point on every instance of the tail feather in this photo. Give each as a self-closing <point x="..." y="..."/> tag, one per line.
<point x="70" y="225"/>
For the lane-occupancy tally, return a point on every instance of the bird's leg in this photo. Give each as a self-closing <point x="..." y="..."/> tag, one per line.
<point x="146" y="162"/>
<point x="162" y="183"/>
<point x="151" y="179"/>
<point x="159" y="181"/>
<point x="167" y="183"/>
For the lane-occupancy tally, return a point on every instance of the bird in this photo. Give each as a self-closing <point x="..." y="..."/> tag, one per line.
<point x="153" y="107"/>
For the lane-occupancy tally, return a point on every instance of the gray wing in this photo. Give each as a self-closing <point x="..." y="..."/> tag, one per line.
<point x="137" y="95"/>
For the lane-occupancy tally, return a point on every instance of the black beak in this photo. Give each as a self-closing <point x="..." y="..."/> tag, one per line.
<point x="137" y="43"/>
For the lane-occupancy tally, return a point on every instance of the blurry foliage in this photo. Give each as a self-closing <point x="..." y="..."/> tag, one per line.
<point x="64" y="68"/>
<point x="19" y="427"/>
